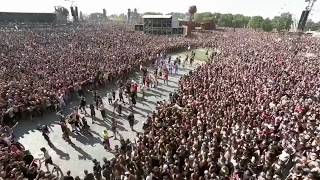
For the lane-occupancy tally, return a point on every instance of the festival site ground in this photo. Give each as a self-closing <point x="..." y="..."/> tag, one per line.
<point x="251" y="111"/>
<point x="78" y="155"/>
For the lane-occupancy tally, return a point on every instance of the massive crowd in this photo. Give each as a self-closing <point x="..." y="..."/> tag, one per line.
<point x="41" y="66"/>
<point x="252" y="112"/>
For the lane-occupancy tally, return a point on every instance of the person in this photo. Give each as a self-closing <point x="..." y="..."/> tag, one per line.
<point x="65" y="130"/>
<point x="68" y="176"/>
<point x="131" y="120"/>
<point x="170" y="68"/>
<point x="115" y="105"/>
<point x="113" y="95"/>
<point x="176" y="68"/>
<point x="83" y="104"/>
<point x="96" y="98"/>
<point x="121" y="95"/>
<point x="110" y="97"/>
<point x="100" y="101"/>
<point x="47" y="159"/>
<point x="170" y="97"/>
<point x="85" y="125"/>
<point x="106" y="140"/>
<point x="88" y="176"/>
<point x="120" y="109"/>
<point x="142" y="89"/>
<point x="106" y="169"/>
<point x="114" y="128"/>
<point x="97" y="169"/>
<point x="166" y="76"/>
<point x="133" y="99"/>
<point x="77" y="123"/>
<point x="45" y="133"/>
<point x="92" y="112"/>
<point x="103" y="112"/>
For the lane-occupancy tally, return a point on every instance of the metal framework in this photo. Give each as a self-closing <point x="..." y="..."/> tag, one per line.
<point x="310" y="4"/>
<point x="305" y="14"/>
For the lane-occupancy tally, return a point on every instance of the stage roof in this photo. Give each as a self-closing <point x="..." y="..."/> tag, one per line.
<point x="156" y="16"/>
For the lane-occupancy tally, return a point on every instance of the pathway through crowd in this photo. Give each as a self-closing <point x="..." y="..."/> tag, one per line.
<point x="78" y="155"/>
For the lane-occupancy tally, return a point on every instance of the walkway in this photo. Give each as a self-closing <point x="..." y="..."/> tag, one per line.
<point x="78" y="156"/>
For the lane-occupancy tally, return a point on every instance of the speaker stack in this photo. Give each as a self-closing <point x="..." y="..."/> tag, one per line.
<point x="74" y="13"/>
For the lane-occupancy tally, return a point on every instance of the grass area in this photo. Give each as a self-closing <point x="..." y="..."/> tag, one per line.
<point x="200" y="55"/>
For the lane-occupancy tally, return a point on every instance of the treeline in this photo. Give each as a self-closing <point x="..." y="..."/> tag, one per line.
<point x="280" y="23"/>
<point x="312" y="26"/>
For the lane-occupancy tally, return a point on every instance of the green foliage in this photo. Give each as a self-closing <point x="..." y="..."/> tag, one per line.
<point x="203" y="17"/>
<point x="256" y="22"/>
<point x="282" y="22"/>
<point x="312" y="26"/>
<point x="240" y="21"/>
<point x="177" y="15"/>
<point x="267" y="25"/>
<point x="225" y="20"/>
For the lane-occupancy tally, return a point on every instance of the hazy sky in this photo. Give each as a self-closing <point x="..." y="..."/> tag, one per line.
<point x="266" y="8"/>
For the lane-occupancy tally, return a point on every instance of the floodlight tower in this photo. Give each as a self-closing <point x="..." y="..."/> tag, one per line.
<point x="305" y="13"/>
<point x="74" y="10"/>
<point x="310" y="4"/>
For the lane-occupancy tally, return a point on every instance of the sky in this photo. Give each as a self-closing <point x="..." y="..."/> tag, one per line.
<point x="265" y="8"/>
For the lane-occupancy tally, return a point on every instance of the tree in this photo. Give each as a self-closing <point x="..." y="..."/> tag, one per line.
<point x="240" y="21"/>
<point x="282" y="22"/>
<point x="287" y="19"/>
<point x="226" y="20"/>
<point x="177" y="15"/>
<point x="312" y="26"/>
<point x="267" y="25"/>
<point x="192" y="10"/>
<point x="204" y="17"/>
<point x="216" y="16"/>
<point x="256" y="22"/>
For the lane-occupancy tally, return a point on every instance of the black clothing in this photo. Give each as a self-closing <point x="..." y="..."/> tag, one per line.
<point x="83" y="103"/>
<point x="68" y="178"/>
<point x="89" y="176"/>
<point x="131" y="119"/>
<point x="103" y="113"/>
<point x="97" y="171"/>
<point x="113" y="95"/>
<point x="92" y="111"/>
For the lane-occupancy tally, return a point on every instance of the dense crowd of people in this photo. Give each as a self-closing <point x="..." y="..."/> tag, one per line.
<point x="39" y="67"/>
<point x="252" y="112"/>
